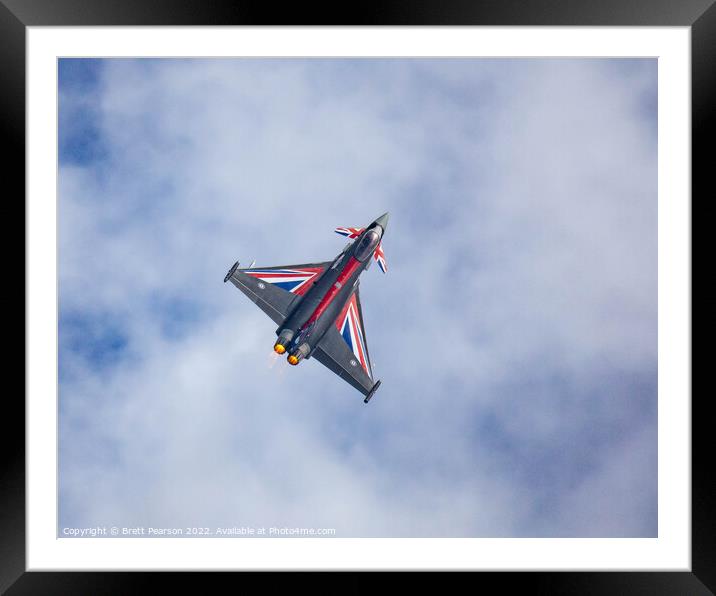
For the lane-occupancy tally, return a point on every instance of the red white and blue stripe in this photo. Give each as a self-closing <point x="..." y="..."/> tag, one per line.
<point x="296" y="281"/>
<point x="350" y="327"/>
<point x="379" y="256"/>
<point x="349" y="232"/>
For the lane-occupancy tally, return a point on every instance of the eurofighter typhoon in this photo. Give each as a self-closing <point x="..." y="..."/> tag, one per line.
<point x="317" y="305"/>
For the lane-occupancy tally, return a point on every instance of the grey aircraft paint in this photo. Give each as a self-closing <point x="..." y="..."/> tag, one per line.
<point x="307" y="316"/>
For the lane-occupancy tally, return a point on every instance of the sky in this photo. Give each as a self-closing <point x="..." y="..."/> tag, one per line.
<point x="515" y="333"/>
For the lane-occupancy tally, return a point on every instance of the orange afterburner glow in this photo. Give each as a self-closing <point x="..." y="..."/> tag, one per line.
<point x="292" y="360"/>
<point x="279" y="349"/>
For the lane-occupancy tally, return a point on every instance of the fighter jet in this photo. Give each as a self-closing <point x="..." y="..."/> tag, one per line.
<point x="317" y="305"/>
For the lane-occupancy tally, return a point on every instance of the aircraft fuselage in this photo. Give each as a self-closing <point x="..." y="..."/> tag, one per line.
<point x="304" y="327"/>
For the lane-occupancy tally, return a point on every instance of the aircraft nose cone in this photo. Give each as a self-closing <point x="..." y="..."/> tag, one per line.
<point x="382" y="221"/>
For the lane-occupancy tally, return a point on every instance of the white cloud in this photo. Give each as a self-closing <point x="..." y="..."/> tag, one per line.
<point x="515" y="332"/>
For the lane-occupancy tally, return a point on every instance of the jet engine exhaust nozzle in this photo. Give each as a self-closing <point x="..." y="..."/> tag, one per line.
<point x="298" y="354"/>
<point x="283" y="341"/>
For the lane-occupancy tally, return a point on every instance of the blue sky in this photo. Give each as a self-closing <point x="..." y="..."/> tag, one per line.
<point x="515" y="332"/>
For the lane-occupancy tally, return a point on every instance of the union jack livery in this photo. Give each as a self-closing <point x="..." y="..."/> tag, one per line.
<point x="350" y="325"/>
<point x="295" y="281"/>
<point x="377" y="255"/>
<point x="317" y="305"/>
<point x="350" y="232"/>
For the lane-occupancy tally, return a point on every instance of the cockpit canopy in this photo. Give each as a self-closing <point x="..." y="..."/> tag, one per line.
<point x="367" y="244"/>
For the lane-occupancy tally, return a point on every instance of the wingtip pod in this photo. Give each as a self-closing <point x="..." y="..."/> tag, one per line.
<point x="371" y="392"/>
<point x="234" y="267"/>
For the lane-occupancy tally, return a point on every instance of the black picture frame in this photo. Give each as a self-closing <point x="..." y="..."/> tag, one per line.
<point x="17" y="15"/>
